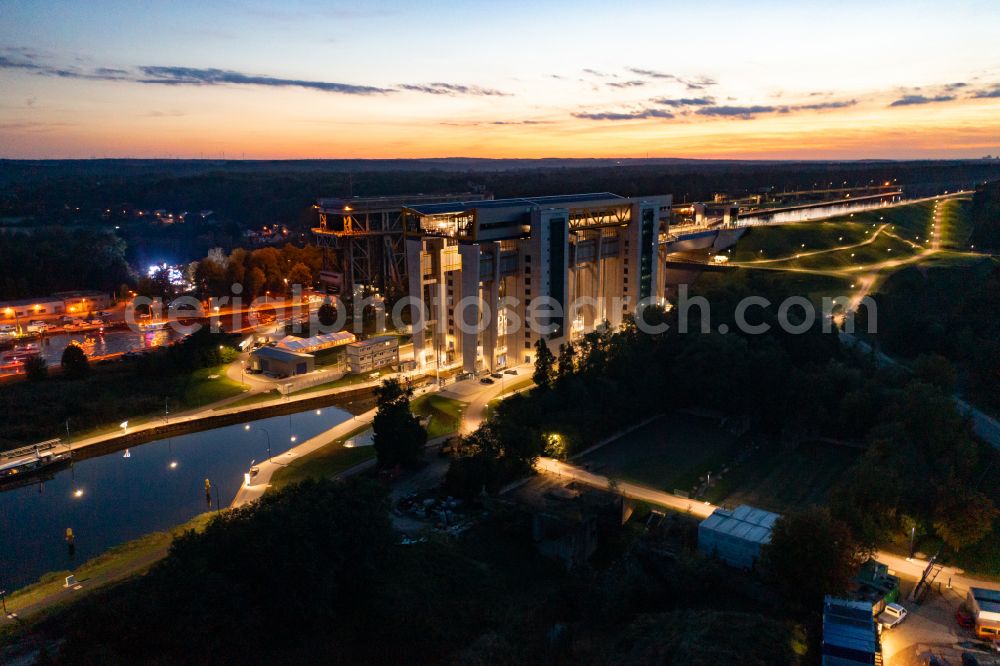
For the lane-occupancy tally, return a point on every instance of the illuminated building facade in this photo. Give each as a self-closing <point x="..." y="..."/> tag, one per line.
<point x="480" y="267"/>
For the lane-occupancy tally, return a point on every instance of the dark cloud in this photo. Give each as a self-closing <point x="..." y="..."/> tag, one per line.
<point x="30" y="64"/>
<point x="211" y="77"/>
<point x="594" y="72"/>
<point x="641" y="114"/>
<point x="450" y="89"/>
<point x="653" y="74"/>
<point x="486" y="123"/>
<point x="684" y="101"/>
<point x="988" y="93"/>
<point x="912" y="100"/>
<point x="19" y="59"/>
<point x="626" y="84"/>
<point x="696" y="83"/>
<point x="952" y="87"/>
<point x="819" y="106"/>
<point x="744" y="112"/>
<point x="752" y="111"/>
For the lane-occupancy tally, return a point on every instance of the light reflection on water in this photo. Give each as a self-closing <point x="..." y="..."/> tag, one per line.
<point x="98" y="343"/>
<point x="113" y="498"/>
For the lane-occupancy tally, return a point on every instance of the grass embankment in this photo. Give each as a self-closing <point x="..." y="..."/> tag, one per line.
<point x="115" y="564"/>
<point x="779" y="480"/>
<point x="676" y="452"/>
<point x="326" y="461"/>
<point x="845" y="243"/>
<point x="444" y="414"/>
<point x="670" y="453"/>
<point x="96" y="404"/>
<point x="511" y="387"/>
<point x="333" y="457"/>
<point x="252" y="399"/>
<point x="273" y="394"/>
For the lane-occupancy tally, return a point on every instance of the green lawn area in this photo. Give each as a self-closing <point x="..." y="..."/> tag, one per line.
<point x="445" y="413"/>
<point x="253" y="399"/>
<point x="129" y="558"/>
<point x="670" y="453"/>
<point x="778" y="480"/>
<point x="909" y="223"/>
<point x="328" y="460"/>
<point x="346" y="380"/>
<point x="811" y="285"/>
<point x="201" y="389"/>
<point x="33" y="411"/>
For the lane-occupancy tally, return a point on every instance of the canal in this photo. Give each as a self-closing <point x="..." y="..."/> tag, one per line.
<point x="112" y="499"/>
<point x="102" y="343"/>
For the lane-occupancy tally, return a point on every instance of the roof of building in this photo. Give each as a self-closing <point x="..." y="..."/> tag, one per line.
<point x="374" y="341"/>
<point x="849" y="631"/>
<point x="276" y="354"/>
<point x="554" y="201"/>
<point x="360" y="204"/>
<point x="77" y="293"/>
<point x="743" y="522"/>
<point x="988" y="600"/>
<point x="322" y="341"/>
<point x="30" y="301"/>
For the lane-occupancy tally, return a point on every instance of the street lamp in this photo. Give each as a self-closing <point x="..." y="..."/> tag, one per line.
<point x="266" y="434"/>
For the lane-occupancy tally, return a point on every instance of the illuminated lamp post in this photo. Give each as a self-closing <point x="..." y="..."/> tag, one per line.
<point x="266" y="434"/>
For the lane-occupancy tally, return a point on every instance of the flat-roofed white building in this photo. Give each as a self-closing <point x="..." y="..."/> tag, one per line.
<point x="736" y="536"/>
<point x="485" y="264"/>
<point x="368" y="355"/>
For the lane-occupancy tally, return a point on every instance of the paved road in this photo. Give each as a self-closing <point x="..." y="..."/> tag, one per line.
<point x="908" y="568"/>
<point x="478" y="396"/>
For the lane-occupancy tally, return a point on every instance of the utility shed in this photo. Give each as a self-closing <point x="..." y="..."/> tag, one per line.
<point x="281" y="362"/>
<point x="850" y="635"/>
<point x="736" y="536"/>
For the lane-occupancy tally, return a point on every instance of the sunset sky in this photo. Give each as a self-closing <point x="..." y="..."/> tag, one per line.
<point x="299" y="79"/>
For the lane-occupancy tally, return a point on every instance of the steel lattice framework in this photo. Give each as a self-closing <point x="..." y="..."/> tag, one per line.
<point x="366" y="234"/>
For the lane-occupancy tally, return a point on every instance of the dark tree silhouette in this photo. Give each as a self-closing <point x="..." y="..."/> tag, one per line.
<point x="74" y="362"/>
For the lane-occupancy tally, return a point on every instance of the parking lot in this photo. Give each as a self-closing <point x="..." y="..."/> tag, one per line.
<point x="931" y="630"/>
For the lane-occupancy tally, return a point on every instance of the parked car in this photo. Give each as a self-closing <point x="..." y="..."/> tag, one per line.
<point x="486" y="380"/>
<point x="510" y="371"/>
<point x="96" y="322"/>
<point x="964" y="617"/>
<point x="893" y="615"/>
<point x="496" y="375"/>
<point x="103" y="313"/>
